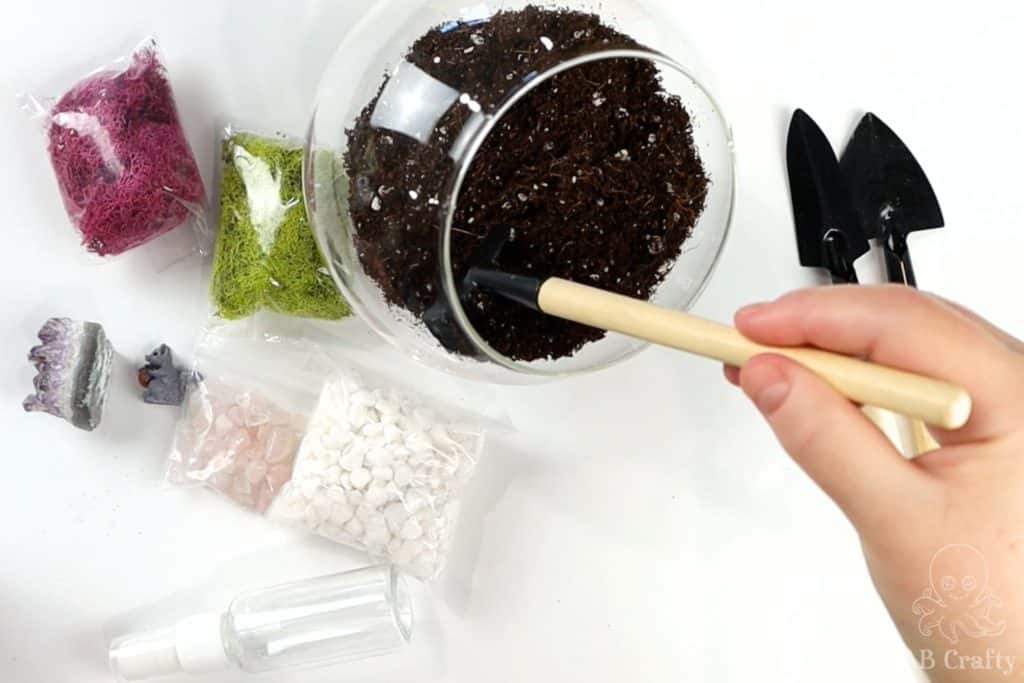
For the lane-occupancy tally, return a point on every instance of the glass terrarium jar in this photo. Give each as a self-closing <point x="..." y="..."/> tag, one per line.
<point x="423" y="124"/>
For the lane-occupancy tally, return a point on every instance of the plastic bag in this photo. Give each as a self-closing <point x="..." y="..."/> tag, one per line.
<point x="125" y="171"/>
<point x="243" y="418"/>
<point x="236" y="441"/>
<point x="382" y="471"/>
<point x="266" y="256"/>
<point x="287" y="429"/>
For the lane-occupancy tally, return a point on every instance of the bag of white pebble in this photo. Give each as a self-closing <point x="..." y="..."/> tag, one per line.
<point x="339" y="451"/>
<point x="381" y="470"/>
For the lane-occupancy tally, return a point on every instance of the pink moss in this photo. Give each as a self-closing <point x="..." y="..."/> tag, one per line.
<point x="125" y="169"/>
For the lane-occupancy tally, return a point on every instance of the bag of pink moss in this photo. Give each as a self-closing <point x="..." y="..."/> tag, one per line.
<point x="125" y="170"/>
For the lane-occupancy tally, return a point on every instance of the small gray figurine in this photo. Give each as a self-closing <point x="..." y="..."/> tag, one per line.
<point x="73" y="372"/>
<point x="165" y="384"/>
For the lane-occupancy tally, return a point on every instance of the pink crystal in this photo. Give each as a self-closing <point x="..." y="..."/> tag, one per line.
<point x="247" y="463"/>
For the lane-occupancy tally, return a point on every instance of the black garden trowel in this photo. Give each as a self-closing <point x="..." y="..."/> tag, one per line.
<point x="828" y="232"/>
<point x="892" y="198"/>
<point x="891" y="194"/>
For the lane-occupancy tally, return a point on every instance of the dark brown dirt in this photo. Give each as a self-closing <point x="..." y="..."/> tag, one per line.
<point x="595" y="172"/>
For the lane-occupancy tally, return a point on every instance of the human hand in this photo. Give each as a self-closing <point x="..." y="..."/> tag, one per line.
<point x="943" y="535"/>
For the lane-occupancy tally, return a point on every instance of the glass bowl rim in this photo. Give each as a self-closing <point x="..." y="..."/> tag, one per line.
<point x="466" y="159"/>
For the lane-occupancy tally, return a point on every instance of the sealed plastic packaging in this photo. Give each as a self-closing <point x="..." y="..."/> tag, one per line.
<point x="288" y="430"/>
<point x="265" y="255"/>
<point x="237" y="441"/>
<point x="381" y="470"/>
<point x="125" y="170"/>
<point x="243" y="419"/>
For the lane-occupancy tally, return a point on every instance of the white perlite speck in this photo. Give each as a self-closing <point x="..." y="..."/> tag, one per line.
<point x="382" y="473"/>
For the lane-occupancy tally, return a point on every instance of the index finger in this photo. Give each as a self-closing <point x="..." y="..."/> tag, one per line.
<point x="900" y="327"/>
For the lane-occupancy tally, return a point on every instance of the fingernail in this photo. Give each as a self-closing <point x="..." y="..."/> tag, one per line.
<point x="770" y="398"/>
<point x="767" y="386"/>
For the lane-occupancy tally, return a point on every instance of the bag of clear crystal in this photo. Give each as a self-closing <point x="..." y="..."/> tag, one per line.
<point x="123" y="166"/>
<point x="382" y="469"/>
<point x="243" y="417"/>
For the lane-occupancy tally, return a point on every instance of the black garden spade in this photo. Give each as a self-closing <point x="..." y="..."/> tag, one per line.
<point x="891" y="194"/>
<point x="828" y="232"/>
<point x="892" y="198"/>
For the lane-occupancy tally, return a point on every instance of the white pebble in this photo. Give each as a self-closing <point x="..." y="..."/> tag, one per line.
<point x="417" y="441"/>
<point x="429" y="556"/>
<point x="376" y="523"/>
<point x="392" y="434"/>
<point x="403" y="476"/>
<point x="396" y="514"/>
<point x="312" y="517"/>
<point x="408" y="551"/>
<point x="341" y="513"/>
<point x="411" y="530"/>
<point x="382" y="473"/>
<point x="373" y="429"/>
<point x="376" y="541"/>
<point x="351" y="461"/>
<point x="354" y="527"/>
<point x="415" y="500"/>
<point x="377" y="495"/>
<point x="358" y="416"/>
<point x="360" y="477"/>
<point x="291" y="506"/>
<point x="380" y="457"/>
<point x="322" y="505"/>
<point x="365" y="512"/>
<point x="309" y="487"/>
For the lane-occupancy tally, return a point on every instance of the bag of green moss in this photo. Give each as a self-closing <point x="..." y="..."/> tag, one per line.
<point x="266" y="256"/>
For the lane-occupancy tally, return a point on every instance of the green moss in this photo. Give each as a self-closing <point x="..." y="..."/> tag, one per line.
<point x="266" y="256"/>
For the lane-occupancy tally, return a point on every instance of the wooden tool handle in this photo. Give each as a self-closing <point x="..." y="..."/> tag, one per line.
<point x="888" y="423"/>
<point x="921" y="439"/>
<point x="933" y="401"/>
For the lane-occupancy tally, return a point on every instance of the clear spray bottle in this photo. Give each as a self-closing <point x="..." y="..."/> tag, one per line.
<point x="321" y="621"/>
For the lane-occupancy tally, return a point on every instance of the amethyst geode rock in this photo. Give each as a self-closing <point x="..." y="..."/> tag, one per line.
<point x="73" y="365"/>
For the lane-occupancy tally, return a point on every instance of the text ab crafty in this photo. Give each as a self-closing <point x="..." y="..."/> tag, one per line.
<point x="953" y="660"/>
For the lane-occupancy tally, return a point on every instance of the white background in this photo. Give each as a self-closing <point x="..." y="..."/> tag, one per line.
<point x="643" y="525"/>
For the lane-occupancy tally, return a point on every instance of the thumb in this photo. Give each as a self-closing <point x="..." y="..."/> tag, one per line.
<point x="829" y="437"/>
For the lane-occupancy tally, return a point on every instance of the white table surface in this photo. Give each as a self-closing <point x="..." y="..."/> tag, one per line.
<point x="642" y="525"/>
